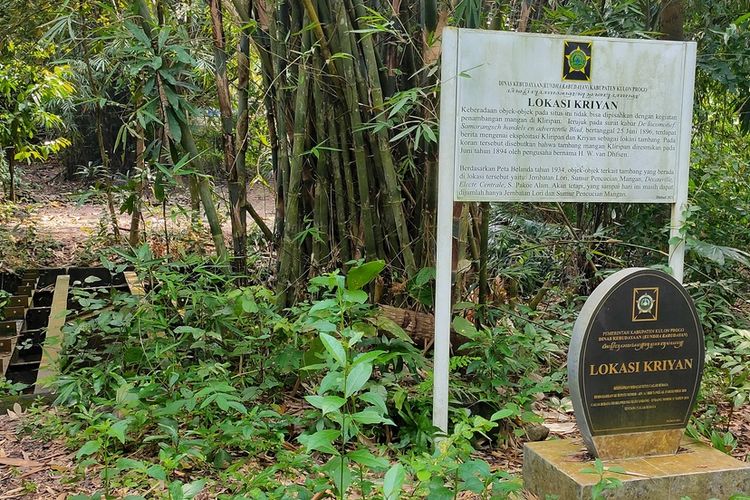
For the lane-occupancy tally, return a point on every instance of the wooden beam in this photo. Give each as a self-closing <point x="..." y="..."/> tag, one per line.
<point x="134" y="284"/>
<point x="52" y="344"/>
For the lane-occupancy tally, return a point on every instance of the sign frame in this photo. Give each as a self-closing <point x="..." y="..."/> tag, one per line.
<point x="449" y="102"/>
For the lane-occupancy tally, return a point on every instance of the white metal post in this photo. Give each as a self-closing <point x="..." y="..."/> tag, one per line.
<point x="677" y="251"/>
<point x="444" y="256"/>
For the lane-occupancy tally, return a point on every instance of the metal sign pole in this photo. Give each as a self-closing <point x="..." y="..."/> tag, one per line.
<point x="444" y="256"/>
<point x="677" y="250"/>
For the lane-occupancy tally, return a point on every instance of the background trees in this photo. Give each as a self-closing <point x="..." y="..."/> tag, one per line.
<point x="333" y="102"/>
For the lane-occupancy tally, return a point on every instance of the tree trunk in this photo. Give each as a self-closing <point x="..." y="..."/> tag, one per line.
<point x="107" y="173"/>
<point x="235" y="175"/>
<point x="140" y="164"/>
<point x="10" y="154"/>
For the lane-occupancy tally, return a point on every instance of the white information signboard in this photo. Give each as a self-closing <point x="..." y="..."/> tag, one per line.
<point x="561" y="119"/>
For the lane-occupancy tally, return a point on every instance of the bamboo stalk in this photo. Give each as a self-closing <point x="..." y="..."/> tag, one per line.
<point x="393" y="200"/>
<point x="135" y="216"/>
<point x="360" y="158"/>
<point x="10" y="155"/>
<point x="484" y="286"/>
<point x="188" y="143"/>
<point x="340" y="213"/>
<point x="346" y="167"/>
<point x="290" y="257"/>
<point x="236" y="178"/>
<point x="206" y="194"/>
<point x="278" y="51"/>
<point x="321" y="247"/>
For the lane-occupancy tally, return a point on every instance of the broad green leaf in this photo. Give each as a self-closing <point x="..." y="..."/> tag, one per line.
<point x="321" y="441"/>
<point x="321" y="325"/>
<point x="222" y="402"/>
<point x="383" y="322"/>
<point x="375" y="399"/>
<point x="175" y="491"/>
<point x="394" y="480"/>
<point x="326" y="404"/>
<point x="237" y="406"/>
<point x="364" y="457"/>
<point x="371" y="416"/>
<point x="118" y="430"/>
<point x="357" y="378"/>
<point x="355" y="296"/>
<point x="174" y="126"/>
<point x="472" y="472"/>
<point x="89" y="448"/>
<point x="157" y="472"/>
<point x="124" y="395"/>
<point x="359" y="276"/>
<point x="509" y="410"/>
<point x="332" y="380"/>
<point x="334" y="348"/>
<point x="128" y="463"/>
<point x="367" y="357"/>
<point x="138" y="33"/>
<point x="464" y="327"/>
<point x="191" y="490"/>
<point x="322" y="305"/>
<point x="338" y="470"/>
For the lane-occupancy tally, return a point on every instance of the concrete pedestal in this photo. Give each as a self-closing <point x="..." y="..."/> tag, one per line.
<point x="552" y="469"/>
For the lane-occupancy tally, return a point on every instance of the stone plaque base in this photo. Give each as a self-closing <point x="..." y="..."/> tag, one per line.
<point x="552" y="469"/>
<point x="637" y="444"/>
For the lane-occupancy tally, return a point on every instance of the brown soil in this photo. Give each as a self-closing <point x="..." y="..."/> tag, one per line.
<point x="53" y="207"/>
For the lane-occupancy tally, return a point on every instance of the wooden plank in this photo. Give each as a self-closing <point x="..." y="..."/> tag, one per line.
<point x="19" y="300"/>
<point x="6" y="345"/>
<point x="14" y="312"/>
<point x="5" y="357"/>
<point x="10" y="328"/>
<point x="134" y="284"/>
<point x="58" y="312"/>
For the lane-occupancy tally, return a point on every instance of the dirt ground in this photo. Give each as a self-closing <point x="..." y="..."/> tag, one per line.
<point x="59" y="210"/>
<point x="42" y="469"/>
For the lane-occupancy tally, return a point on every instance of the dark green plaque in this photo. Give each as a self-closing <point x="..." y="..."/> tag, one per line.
<point x="636" y="356"/>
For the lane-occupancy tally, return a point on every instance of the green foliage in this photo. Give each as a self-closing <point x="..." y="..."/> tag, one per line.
<point x="347" y="400"/>
<point x="729" y="354"/>
<point x="605" y="482"/>
<point x="29" y="92"/>
<point x="506" y="367"/>
<point x="451" y="469"/>
<point x="619" y="18"/>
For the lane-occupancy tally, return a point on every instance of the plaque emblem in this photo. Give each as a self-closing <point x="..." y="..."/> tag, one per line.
<point x="646" y="304"/>
<point x="577" y="61"/>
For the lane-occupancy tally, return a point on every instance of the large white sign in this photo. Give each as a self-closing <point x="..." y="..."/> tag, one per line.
<point x="557" y="118"/>
<point x="566" y="118"/>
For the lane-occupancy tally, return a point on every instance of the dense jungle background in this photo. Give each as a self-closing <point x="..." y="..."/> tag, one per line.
<point x="268" y="169"/>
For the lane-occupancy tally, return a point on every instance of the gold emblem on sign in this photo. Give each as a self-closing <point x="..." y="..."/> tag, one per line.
<point x="577" y="61"/>
<point x="646" y="304"/>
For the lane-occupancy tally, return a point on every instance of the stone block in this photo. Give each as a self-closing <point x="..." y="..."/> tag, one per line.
<point x="553" y="469"/>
